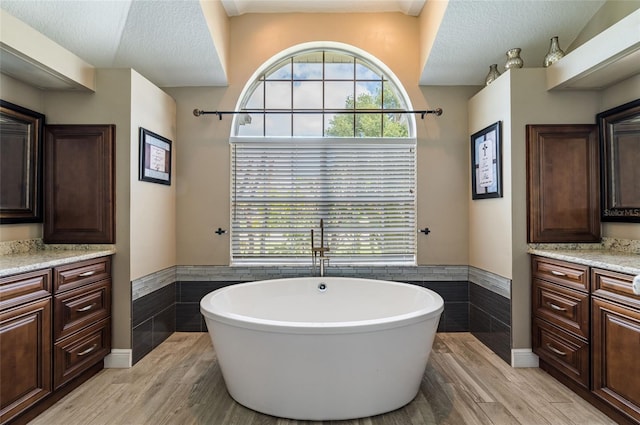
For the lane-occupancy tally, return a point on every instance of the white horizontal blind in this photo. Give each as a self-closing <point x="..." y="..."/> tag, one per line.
<point x="365" y="192"/>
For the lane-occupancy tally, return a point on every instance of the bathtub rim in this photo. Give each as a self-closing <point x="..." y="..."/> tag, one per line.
<point x="318" y="328"/>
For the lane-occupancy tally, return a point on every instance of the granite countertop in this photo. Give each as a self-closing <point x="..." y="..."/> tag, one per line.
<point x="618" y="261"/>
<point x="21" y="262"/>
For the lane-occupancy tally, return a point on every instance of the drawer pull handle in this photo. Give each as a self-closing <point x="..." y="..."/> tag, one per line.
<point x="88" y="350"/>
<point x="85" y="308"/>
<point x="555" y="307"/>
<point x="87" y="274"/>
<point x="555" y="350"/>
<point x="557" y="273"/>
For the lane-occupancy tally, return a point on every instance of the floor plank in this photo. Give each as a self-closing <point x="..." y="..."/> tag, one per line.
<point x="180" y="383"/>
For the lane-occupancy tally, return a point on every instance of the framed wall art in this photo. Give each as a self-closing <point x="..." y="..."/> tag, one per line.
<point x="155" y="158"/>
<point x="486" y="162"/>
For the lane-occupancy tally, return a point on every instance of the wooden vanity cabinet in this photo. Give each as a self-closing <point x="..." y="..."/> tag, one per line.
<point x="560" y="306"/>
<point x="25" y="342"/>
<point x="586" y="332"/>
<point x="82" y="307"/>
<point x="616" y="341"/>
<point x="55" y="330"/>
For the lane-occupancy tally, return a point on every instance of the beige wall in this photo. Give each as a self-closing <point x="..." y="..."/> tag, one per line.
<point x="28" y="97"/>
<point x="391" y="37"/>
<point x="490" y="230"/>
<point x="203" y="164"/>
<point x="430" y="20"/>
<point x="110" y="104"/>
<point x="202" y="177"/>
<point x="145" y="212"/>
<point x="218" y="24"/>
<point x="158" y="226"/>
<point x="443" y="183"/>
<point x="497" y="227"/>
<point x="153" y="206"/>
<point x="531" y="103"/>
<point x="610" y="13"/>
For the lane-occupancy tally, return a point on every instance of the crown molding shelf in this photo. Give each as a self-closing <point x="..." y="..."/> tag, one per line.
<point x="606" y="59"/>
<point x="30" y="57"/>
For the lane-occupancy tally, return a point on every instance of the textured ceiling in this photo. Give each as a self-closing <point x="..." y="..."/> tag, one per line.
<point x="169" y="43"/>
<point x="166" y="41"/>
<point x="476" y="34"/>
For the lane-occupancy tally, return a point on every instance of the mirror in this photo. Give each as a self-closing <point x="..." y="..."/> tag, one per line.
<point x="620" y="162"/>
<point x="21" y="133"/>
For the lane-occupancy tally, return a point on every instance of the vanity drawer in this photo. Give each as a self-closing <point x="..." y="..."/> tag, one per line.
<point x="572" y="275"/>
<point x="24" y="287"/>
<point x="78" y="352"/>
<point x="81" y="273"/>
<point x="565" y="352"/>
<point x="564" y="307"/>
<point x="614" y="286"/>
<point x="80" y="307"/>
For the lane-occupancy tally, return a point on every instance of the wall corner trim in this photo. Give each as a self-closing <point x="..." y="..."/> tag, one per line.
<point x="119" y="358"/>
<point x="523" y="357"/>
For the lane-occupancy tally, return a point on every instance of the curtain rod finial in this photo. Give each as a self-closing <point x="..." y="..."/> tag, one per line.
<point x="437" y="111"/>
<point x="197" y="112"/>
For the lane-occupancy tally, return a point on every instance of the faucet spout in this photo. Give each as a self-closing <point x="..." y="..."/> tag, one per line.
<point x="318" y="252"/>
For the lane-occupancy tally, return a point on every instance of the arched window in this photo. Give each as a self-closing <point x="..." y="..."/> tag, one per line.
<point x="322" y="136"/>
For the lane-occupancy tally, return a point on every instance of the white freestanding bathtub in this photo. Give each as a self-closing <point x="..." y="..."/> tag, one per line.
<point x="322" y="348"/>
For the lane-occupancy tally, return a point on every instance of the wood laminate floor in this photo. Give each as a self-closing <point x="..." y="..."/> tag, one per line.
<point x="179" y="383"/>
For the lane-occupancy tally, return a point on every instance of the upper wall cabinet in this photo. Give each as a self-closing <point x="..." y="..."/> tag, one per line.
<point x="563" y="183"/>
<point x="79" y="198"/>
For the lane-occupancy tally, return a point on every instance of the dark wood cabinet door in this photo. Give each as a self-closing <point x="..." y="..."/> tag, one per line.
<point x="79" y="196"/>
<point x="563" y="183"/>
<point x="25" y="350"/>
<point x="616" y="359"/>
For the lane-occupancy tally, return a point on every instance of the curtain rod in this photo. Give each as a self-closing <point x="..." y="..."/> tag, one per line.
<point x="437" y="112"/>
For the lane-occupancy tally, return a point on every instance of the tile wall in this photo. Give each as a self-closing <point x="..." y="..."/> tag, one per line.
<point x="490" y="311"/>
<point x="169" y="301"/>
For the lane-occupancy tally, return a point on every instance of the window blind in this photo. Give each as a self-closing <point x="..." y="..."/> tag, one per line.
<point x="363" y="190"/>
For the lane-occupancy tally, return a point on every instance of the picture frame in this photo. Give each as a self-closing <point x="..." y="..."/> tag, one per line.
<point x="486" y="162"/>
<point x="155" y="158"/>
<point x="21" y="147"/>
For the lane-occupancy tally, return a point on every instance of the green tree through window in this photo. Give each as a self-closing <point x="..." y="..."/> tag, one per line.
<point x="370" y="125"/>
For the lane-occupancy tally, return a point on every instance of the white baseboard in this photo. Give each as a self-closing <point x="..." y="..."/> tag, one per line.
<point x="118" y="359"/>
<point x="523" y="357"/>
